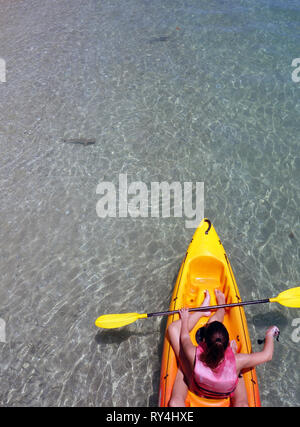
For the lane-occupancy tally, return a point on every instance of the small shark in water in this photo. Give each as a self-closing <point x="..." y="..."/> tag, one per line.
<point x="82" y="141"/>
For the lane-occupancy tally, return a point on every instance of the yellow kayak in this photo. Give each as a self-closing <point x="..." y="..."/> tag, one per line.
<point x="206" y="266"/>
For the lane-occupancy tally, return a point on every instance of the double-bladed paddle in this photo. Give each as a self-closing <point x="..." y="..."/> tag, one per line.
<point x="288" y="298"/>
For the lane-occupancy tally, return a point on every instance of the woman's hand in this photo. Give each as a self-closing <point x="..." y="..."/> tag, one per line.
<point x="184" y="313"/>
<point x="273" y="331"/>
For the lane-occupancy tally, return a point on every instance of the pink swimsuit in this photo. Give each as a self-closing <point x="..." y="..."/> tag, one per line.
<point x="217" y="383"/>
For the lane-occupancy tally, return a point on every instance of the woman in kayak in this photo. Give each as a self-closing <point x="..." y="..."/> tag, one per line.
<point x="212" y="369"/>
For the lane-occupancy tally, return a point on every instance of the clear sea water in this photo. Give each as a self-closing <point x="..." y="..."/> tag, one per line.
<point x="172" y="90"/>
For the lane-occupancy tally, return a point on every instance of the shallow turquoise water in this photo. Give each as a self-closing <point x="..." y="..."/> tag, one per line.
<point x="181" y="91"/>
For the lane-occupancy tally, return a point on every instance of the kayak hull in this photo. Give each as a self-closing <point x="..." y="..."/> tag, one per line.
<point x="206" y="266"/>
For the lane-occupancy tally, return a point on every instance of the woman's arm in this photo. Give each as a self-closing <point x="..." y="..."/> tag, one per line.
<point x="247" y="361"/>
<point x="185" y="340"/>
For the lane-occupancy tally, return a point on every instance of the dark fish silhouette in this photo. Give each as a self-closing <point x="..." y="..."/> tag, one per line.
<point x="159" y="39"/>
<point x="82" y="141"/>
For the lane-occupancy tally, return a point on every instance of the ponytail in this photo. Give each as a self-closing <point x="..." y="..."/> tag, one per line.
<point x="216" y="340"/>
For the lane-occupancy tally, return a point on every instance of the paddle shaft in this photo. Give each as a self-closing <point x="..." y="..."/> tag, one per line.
<point x="212" y="307"/>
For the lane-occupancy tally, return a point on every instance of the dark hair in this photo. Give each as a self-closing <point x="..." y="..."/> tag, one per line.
<point x="216" y="340"/>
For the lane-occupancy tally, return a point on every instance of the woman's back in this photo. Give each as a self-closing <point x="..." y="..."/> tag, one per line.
<point x="220" y="381"/>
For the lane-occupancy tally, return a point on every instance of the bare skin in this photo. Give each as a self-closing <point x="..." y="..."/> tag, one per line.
<point x="185" y="352"/>
<point x="185" y="365"/>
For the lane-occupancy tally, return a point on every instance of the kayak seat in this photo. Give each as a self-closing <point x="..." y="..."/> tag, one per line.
<point x="193" y="400"/>
<point x="207" y="269"/>
<point x="205" y="272"/>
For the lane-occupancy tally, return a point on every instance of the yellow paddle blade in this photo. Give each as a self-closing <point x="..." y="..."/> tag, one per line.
<point x="288" y="298"/>
<point x="110" y="321"/>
